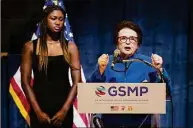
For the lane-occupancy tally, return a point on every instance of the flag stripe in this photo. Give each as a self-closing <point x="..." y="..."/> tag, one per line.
<point x="82" y="115"/>
<point x="17" y="79"/>
<point x="19" y="104"/>
<point x="78" y="122"/>
<point x="20" y="94"/>
<point x="88" y="116"/>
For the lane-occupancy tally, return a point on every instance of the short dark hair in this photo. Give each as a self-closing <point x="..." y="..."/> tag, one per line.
<point x="131" y="25"/>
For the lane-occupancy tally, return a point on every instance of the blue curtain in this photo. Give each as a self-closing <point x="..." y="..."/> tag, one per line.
<point x="189" y="69"/>
<point x="4" y="91"/>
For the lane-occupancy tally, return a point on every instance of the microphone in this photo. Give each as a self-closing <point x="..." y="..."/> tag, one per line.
<point x="115" y="55"/>
<point x="97" y="122"/>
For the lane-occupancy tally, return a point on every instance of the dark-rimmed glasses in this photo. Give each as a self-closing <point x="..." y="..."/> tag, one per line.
<point x="132" y="39"/>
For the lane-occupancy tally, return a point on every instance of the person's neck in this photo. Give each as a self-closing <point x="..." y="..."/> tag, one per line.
<point x="124" y="56"/>
<point x="53" y="36"/>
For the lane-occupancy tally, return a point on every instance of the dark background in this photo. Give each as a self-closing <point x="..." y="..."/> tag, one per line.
<point x="167" y="27"/>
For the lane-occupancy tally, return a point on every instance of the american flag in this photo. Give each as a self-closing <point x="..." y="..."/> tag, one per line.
<point x="15" y="89"/>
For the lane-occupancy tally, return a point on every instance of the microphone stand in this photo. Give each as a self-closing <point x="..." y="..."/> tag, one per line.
<point x="159" y="74"/>
<point x="97" y="122"/>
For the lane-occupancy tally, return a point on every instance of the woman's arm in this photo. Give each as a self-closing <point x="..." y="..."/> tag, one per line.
<point x="75" y="73"/>
<point x="26" y="69"/>
<point x="99" y="73"/>
<point x="96" y="76"/>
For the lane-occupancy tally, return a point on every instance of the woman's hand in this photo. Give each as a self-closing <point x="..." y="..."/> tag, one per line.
<point x="102" y="62"/>
<point x="59" y="117"/>
<point x="157" y="61"/>
<point x="43" y="117"/>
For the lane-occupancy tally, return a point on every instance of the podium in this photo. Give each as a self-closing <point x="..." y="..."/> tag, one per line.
<point x="125" y="98"/>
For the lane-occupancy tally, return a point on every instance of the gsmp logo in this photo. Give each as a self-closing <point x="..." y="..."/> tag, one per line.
<point x="100" y="91"/>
